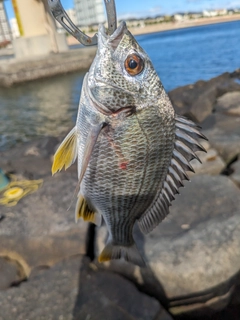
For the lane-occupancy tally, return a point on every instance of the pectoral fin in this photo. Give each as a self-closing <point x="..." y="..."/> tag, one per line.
<point x="66" y="153"/>
<point x="90" y="143"/>
<point x="91" y="140"/>
<point x="86" y="213"/>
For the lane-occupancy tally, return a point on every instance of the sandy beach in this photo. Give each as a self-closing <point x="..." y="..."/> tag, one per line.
<point x="172" y="25"/>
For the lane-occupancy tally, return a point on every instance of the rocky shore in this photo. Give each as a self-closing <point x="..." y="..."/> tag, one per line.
<point x="48" y="267"/>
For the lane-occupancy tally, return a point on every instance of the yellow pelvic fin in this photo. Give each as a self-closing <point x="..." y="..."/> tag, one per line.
<point x="66" y="153"/>
<point x="85" y="212"/>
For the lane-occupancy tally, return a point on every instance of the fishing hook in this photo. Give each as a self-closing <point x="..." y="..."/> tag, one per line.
<point x="111" y="15"/>
<point x="61" y="16"/>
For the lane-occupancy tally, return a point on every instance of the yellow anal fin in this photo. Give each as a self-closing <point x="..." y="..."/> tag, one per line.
<point x="86" y="213"/>
<point x="66" y="153"/>
<point x="105" y="255"/>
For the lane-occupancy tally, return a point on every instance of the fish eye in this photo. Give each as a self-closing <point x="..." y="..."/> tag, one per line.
<point x="134" y="64"/>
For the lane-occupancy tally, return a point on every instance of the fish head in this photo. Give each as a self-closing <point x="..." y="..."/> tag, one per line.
<point x="122" y="74"/>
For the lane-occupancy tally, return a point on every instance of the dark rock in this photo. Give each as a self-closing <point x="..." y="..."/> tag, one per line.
<point x="10" y="273"/>
<point x="73" y="289"/>
<point x="197" y="101"/>
<point x="193" y="255"/>
<point x="232" y="311"/>
<point x="40" y="230"/>
<point x="229" y="104"/>
<point x="223" y="132"/>
<point x="235" y="176"/>
<point x="31" y="160"/>
<point x="211" y="164"/>
<point x="235" y="74"/>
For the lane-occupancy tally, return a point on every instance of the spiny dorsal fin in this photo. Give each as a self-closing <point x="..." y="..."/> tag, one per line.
<point x="66" y="153"/>
<point x="86" y="213"/>
<point x="186" y="143"/>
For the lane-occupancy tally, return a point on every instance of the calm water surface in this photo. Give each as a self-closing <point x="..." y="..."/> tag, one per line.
<point x="49" y="107"/>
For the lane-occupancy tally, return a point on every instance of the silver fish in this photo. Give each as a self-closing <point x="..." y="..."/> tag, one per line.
<point x="133" y="150"/>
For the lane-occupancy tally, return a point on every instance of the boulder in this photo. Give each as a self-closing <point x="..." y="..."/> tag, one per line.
<point x="211" y="164"/>
<point x="229" y="104"/>
<point x="31" y="160"/>
<point x="10" y="273"/>
<point x="193" y="256"/>
<point x="223" y="133"/>
<point x="40" y="230"/>
<point x="74" y="289"/>
<point x="197" y="101"/>
<point x="232" y="311"/>
<point x="235" y="176"/>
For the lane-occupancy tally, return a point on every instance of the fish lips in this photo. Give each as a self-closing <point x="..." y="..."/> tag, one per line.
<point x="114" y="39"/>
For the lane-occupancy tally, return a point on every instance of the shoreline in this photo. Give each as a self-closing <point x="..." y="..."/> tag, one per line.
<point x="171" y="26"/>
<point x="13" y="71"/>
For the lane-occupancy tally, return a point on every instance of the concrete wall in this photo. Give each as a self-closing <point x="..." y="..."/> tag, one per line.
<point x="38" y="30"/>
<point x="32" y="16"/>
<point x="26" y="47"/>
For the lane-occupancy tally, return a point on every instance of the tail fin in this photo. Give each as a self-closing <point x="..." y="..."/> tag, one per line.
<point x="130" y="254"/>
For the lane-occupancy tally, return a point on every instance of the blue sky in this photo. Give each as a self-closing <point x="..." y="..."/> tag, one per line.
<point x="137" y="8"/>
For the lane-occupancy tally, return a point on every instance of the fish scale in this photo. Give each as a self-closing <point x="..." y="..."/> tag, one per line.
<point x="133" y="150"/>
<point x="140" y="181"/>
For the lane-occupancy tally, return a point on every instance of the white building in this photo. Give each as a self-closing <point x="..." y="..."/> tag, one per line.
<point x="178" y="17"/>
<point x="222" y="12"/>
<point x="14" y="28"/>
<point x="89" y="12"/>
<point x="5" y="31"/>
<point x="210" y="13"/>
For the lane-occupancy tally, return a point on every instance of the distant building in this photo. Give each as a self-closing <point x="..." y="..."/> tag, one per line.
<point x="196" y="15"/>
<point x="14" y="28"/>
<point x="5" y="31"/>
<point x="89" y="12"/>
<point x="209" y="13"/>
<point x="222" y="12"/>
<point x="135" y="23"/>
<point x="178" y="17"/>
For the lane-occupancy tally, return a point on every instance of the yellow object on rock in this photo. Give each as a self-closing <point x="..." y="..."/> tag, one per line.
<point x="18" y="189"/>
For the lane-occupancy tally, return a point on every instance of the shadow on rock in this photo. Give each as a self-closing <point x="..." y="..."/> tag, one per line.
<point x="193" y="255"/>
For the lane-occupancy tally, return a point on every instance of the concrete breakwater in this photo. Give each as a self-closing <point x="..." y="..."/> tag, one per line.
<point x="14" y="71"/>
<point x="193" y="256"/>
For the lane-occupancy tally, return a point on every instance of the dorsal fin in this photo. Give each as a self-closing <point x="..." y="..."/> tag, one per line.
<point x="186" y="135"/>
<point x="66" y="153"/>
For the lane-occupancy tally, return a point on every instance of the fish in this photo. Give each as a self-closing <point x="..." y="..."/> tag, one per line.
<point x="133" y="150"/>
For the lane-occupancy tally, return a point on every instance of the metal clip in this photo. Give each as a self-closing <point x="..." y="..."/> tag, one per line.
<point x="61" y="16"/>
<point x="111" y="15"/>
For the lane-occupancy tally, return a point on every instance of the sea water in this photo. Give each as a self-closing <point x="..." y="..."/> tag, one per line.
<point x="48" y="107"/>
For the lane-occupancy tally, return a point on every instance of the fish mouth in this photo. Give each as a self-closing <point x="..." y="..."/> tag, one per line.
<point x="114" y="39"/>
